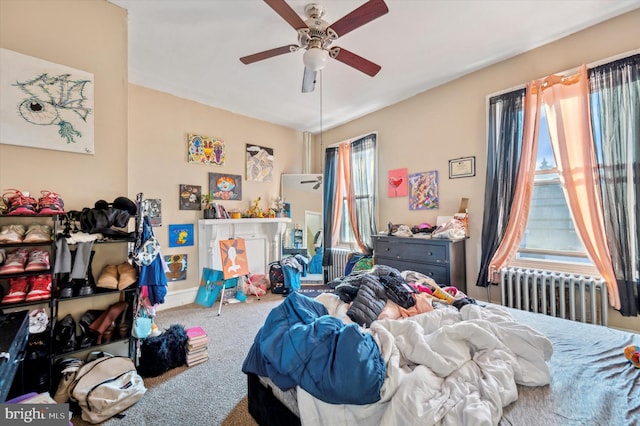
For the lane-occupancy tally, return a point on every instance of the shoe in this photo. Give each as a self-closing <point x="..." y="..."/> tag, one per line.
<point x="17" y="290"/>
<point x="40" y="288"/>
<point x="87" y="338"/>
<point x="65" y="335"/>
<point x="12" y="234"/>
<point x="66" y="288"/>
<point x="127" y="275"/>
<point x="85" y="287"/>
<point x="14" y="264"/>
<point x="20" y="203"/>
<point x="38" y="260"/>
<point x="50" y="203"/>
<point x="108" y="277"/>
<point x="37" y="233"/>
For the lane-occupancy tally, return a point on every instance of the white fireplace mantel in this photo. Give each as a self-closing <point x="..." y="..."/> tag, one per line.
<point x="263" y="240"/>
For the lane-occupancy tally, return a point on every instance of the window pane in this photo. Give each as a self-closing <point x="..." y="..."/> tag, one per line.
<point x="550" y="233"/>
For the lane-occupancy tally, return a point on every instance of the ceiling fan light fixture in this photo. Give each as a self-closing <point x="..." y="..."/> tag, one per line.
<point x="315" y="58"/>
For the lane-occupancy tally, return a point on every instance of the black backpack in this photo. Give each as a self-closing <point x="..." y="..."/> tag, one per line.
<point x="276" y="277"/>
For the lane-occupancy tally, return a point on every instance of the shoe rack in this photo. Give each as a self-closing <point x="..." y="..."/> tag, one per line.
<point x="104" y="252"/>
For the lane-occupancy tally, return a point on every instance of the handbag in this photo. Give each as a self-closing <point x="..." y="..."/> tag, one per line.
<point x="149" y="248"/>
<point x="142" y="324"/>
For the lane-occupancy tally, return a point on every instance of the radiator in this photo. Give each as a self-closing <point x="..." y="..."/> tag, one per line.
<point x="336" y="270"/>
<point x="574" y="297"/>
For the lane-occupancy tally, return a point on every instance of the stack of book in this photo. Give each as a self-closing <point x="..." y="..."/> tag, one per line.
<point x="197" y="351"/>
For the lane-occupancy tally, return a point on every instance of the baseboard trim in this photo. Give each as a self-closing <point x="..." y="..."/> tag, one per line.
<point x="178" y="298"/>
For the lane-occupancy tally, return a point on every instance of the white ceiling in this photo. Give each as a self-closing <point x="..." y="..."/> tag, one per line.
<point x="191" y="49"/>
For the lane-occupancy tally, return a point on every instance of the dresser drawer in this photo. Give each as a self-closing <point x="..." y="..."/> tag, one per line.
<point x="419" y="251"/>
<point x="440" y="274"/>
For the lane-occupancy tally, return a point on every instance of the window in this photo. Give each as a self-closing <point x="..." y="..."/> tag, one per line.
<point x="550" y="234"/>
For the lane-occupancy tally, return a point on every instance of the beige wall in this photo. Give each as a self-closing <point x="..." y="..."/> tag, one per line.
<point x="424" y="132"/>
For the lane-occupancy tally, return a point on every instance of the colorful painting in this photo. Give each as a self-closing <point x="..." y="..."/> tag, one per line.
<point x="181" y="235"/>
<point x="233" y="254"/>
<point x="225" y="187"/>
<point x="398" y="186"/>
<point x="423" y="191"/>
<point x="177" y="264"/>
<point x="153" y="207"/>
<point x="190" y="197"/>
<point x="259" y="163"/>
<point x="45" y="105"/>
<point x="206" y="150"/>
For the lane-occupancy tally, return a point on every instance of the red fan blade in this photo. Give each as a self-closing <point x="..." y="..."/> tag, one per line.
<point x="308" y="81"/>
<point x="288" y="14"/>
<point x="364" y="14"/>
<point x="268" y="54"/>
<point x="358" y="62"/>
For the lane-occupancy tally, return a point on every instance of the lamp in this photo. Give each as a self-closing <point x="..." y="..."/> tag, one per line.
<point x="315" y="58"/>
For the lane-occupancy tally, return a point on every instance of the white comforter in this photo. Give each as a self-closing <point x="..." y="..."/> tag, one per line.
<point x="444" y="367"/>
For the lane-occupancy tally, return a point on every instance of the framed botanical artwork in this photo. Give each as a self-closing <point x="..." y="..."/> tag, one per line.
<point x="259" y="163"/>
<point x="177" y="264"/>
<point x="45" y="105"/>
<point x="233" y="254"/>
<point x="190" y="197"/>
<point x="205" y="150"/>
<point x="462" y="167"/>
<point x="225" y="187"/>
<point x="181" y="235"/>
<point x="398" y="183"/>
<point x="423" y="191"/>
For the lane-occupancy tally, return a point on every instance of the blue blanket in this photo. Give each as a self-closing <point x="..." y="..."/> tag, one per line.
<point x="300" y="344"/>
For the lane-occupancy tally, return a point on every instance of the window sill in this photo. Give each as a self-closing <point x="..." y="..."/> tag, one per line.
<point x="568" y="268"/>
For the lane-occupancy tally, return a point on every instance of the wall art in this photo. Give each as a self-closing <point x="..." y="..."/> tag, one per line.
<point x="259" y="163"/>
<point x="181" y="235"/>
<point x="153" y="207"/>
<point x="205" y="150"/>
<point x="45" y="105"/>
<point x="234" y="258"/>
<point x="225" y="187"/>
<point x="190" y="197"/>
<point x="177" y="264"/>
<point x="423" y="192"/>
<point x="398" y="183"/>
<point x="462" y="167"/>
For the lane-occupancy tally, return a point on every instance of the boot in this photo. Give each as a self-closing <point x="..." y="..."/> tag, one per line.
<point x="108" y="277"/>
<point x="127" y="275"/>
<point x="87" y="337"/>
<point x="106" y="319"/>
<point x="65" y="335"/>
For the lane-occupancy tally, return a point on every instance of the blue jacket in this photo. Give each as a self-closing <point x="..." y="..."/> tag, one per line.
<point x="300" y="344"/>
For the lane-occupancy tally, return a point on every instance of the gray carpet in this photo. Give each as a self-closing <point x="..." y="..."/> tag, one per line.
<point x="206" y="393"/>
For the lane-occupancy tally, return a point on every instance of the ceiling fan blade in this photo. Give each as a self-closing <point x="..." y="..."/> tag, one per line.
<point x="268" y="54"/>
<point x="288" y="14"/>
<point x="308" y="81"/>
<point x="364" y="14"/>
<point x="358" y="62"/>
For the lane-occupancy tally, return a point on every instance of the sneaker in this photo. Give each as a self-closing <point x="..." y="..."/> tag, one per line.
<point x="40" y="288"/>
<point x="12" y="234"/>
<point x="38" y="260"/>
<point x="15" y="262"/>
<point x="37" y="233"/>
<point x="20" y="202"/>
<point x="50" y="203"/>
<point x="17" y="290"/>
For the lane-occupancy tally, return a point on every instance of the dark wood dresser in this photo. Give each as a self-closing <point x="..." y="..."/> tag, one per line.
<point x="14" y="333"/>
<point x="442" y="260"/>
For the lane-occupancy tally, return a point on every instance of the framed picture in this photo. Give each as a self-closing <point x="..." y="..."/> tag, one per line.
<point x="225" y="187"/>
<point x="190" y="197"/>
<point x="177" y="264"/>
<point x="259" y="163"/>
<point x="181" y="235"/>
<point x="398" y="183"/>
<point x="423" y="193"/>
<point x="462" y="167"/>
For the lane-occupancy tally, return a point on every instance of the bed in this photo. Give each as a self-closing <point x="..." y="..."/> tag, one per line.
<point x="482" y="364"/>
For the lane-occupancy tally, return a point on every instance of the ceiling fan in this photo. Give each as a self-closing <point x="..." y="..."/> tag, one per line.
<point x="317" y="181"/>
<point x="315" y="36"/>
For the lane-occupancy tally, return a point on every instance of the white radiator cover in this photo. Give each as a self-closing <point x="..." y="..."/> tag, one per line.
<point x="575" y="297"/>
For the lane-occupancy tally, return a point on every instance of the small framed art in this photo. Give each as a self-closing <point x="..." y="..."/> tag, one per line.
<point x="462" y="167"/>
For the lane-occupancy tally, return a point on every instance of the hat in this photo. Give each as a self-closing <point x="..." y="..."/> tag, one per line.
<point x="123" y="203"/>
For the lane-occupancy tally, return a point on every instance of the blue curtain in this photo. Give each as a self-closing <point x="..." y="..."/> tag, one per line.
<point x="328" y="191"/>
<point x="503" y="157"/>
<point x="615" y="120"/>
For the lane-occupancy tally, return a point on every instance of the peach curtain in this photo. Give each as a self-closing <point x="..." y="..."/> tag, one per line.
<point x="524" y="186"/>
<point x="343" y="185"/>
<point x="567" y="108"/>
